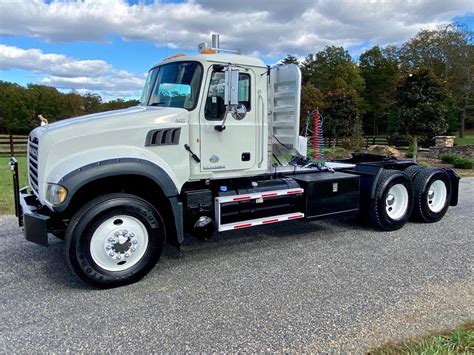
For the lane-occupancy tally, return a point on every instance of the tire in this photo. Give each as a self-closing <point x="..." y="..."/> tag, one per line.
<point x="114" y="240"/>
<point x="393" y="201"/>
<point x="412" y="171"/>
<point x="432" y="195"/>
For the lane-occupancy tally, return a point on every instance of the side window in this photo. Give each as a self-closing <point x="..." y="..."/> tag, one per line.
<point x="215" y="105"/>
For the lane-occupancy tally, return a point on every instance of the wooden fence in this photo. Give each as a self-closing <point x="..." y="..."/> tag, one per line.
<point x="12" y="144"/>
<point x="368" y="141"/>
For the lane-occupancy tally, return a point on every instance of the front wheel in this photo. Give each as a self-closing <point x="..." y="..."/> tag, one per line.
<point x="114" y="240"/>
<point x="393" y="200"/>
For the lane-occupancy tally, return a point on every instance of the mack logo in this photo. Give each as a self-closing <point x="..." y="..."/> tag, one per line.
<point x="34" y="152"/>
<point x="214" y="159"/>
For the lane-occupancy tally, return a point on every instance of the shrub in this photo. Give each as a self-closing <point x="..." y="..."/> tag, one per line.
<point x="448" y="158"/>
<point x="409" y="153"/>
<point x="463" y="164"/>
<point x="457" y="161"/>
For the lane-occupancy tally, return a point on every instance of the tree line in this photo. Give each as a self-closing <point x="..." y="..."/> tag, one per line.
<point x="20" y="106"/>
<point x="421" y="88"/>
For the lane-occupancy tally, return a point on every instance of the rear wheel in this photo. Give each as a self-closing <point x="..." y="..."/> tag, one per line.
<point x="393" y="200"/>
<point x="412" y="171"/>
<point x="432" y="194"/>
<point x="114" y="240"/>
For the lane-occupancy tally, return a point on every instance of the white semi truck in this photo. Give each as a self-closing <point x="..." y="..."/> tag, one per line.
<point x="204" y="152"/>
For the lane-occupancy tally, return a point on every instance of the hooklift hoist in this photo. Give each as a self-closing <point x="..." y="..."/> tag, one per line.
<point x="206" y="150"/>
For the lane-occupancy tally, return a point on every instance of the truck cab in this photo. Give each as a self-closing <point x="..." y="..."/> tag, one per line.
<point x="213" y="146"/>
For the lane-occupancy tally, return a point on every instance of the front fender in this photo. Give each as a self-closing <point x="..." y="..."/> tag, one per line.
<point x="78" y="178"/>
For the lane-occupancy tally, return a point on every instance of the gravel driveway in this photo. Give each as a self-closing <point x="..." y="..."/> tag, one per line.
<point x="326" y="286"/>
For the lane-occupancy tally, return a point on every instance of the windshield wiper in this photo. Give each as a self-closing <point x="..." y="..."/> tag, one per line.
<point x="157" y="103"/>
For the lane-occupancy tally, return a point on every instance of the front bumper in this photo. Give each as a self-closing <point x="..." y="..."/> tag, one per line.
<point x="31" y="214"/>
<point x="35" y="223"/>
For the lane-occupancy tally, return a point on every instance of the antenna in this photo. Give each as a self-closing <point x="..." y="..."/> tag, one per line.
<point x="166" y="39"/>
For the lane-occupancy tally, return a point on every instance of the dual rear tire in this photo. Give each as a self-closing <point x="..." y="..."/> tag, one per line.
<point x="421" y="193"/>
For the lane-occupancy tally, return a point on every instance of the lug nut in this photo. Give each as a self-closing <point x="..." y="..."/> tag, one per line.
<point x="117" y="234"/>
<point x="127" y="254"/>
<point x="108" y="246"/>
<point x="131" y="235"/>
<point x="111" y="253"/>
<point x="125" y="232"/>
<point x="133" y="248"/>
<point x="111" y="239"/>
<point x="118" y="257"/>
<point x="135" y="241"/>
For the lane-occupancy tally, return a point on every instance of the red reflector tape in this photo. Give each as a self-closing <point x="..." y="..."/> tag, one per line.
<point x="243" y="225"/>
<point x="294" y="192"/>
<point x="270" y="221"/>
<point x="269" y="195"/>
<point x="241" y="198"/>
<point x="295" y="216"/>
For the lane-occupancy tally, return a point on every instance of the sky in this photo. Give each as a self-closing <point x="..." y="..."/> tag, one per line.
<point x="106" y="47"/>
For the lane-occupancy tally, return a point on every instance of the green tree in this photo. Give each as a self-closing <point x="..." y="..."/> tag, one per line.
<point x="448" y="50"/>
<point x="290" y="59"/>
<point x="340" y="113"/>
<point x="422" y="113"/>
<point x="91" y="103"/>
<point x="15" y="116"/>
<point x="46" y="101"/>
<point x="380" y="74"/>
<point x="311" y="99"/>
<point x="332" y="69"/>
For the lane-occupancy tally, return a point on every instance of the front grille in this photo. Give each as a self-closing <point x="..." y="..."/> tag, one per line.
<point x="33" y="162"/>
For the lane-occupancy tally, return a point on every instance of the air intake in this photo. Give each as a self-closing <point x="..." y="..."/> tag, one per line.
<point x="165" y="136"/>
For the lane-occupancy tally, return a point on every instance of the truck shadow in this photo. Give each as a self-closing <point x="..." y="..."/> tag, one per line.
<point x="280" y="236"/>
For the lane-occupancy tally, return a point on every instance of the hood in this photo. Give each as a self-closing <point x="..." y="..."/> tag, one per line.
<point x="133" y="117"/>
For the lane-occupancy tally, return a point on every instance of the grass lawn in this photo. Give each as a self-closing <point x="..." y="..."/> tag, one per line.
<point x="6" y="183"/>
<point x="457" y="341"/>
<point x="468" y="138"/>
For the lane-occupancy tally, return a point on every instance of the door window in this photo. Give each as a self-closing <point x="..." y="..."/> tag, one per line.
<point x="215" y="105"/>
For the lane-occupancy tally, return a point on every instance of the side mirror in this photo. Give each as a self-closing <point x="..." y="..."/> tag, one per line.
<point x="231" y="91"/>
<point x="239" y="112"/>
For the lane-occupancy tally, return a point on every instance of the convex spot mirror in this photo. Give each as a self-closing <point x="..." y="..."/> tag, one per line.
<point x="239" y="112"/>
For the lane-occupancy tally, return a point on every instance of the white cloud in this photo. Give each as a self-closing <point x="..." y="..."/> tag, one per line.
<point x="57" y="64"/>
<point x="64" y="72"/>
<point x="268" y="27"/>
<point x="99" y="83"/>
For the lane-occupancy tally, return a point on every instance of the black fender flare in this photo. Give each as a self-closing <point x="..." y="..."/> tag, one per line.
<point x="78" y="178"/>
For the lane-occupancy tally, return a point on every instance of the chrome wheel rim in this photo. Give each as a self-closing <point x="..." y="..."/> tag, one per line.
<point x="396" y="202"/>
<point x="436" y="196"/>
<point x="118" y="243"/>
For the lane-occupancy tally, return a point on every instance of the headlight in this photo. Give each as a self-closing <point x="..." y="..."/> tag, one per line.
<point x="56" y="194"/>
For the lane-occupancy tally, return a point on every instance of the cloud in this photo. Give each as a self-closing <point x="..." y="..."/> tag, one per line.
<point x="57" y="64"/>
<point x="100" y="83"/>
<point x="265" y="27"/>
<point x="64" y="72"/>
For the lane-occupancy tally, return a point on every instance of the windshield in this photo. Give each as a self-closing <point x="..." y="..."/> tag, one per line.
<point x="173" y="85"/>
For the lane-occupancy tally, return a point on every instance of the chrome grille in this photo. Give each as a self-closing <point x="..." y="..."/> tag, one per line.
<point x="33" y="162"/>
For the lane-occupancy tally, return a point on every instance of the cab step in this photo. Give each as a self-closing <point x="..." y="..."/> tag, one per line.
<point x="260" y="221"/>
<point x="260" y="197"/>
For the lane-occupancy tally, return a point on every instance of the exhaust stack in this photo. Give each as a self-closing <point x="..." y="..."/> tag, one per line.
<point x="215" y="42"/>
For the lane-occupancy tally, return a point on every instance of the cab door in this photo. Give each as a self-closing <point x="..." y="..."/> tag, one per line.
<point x="233" y="148"/>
